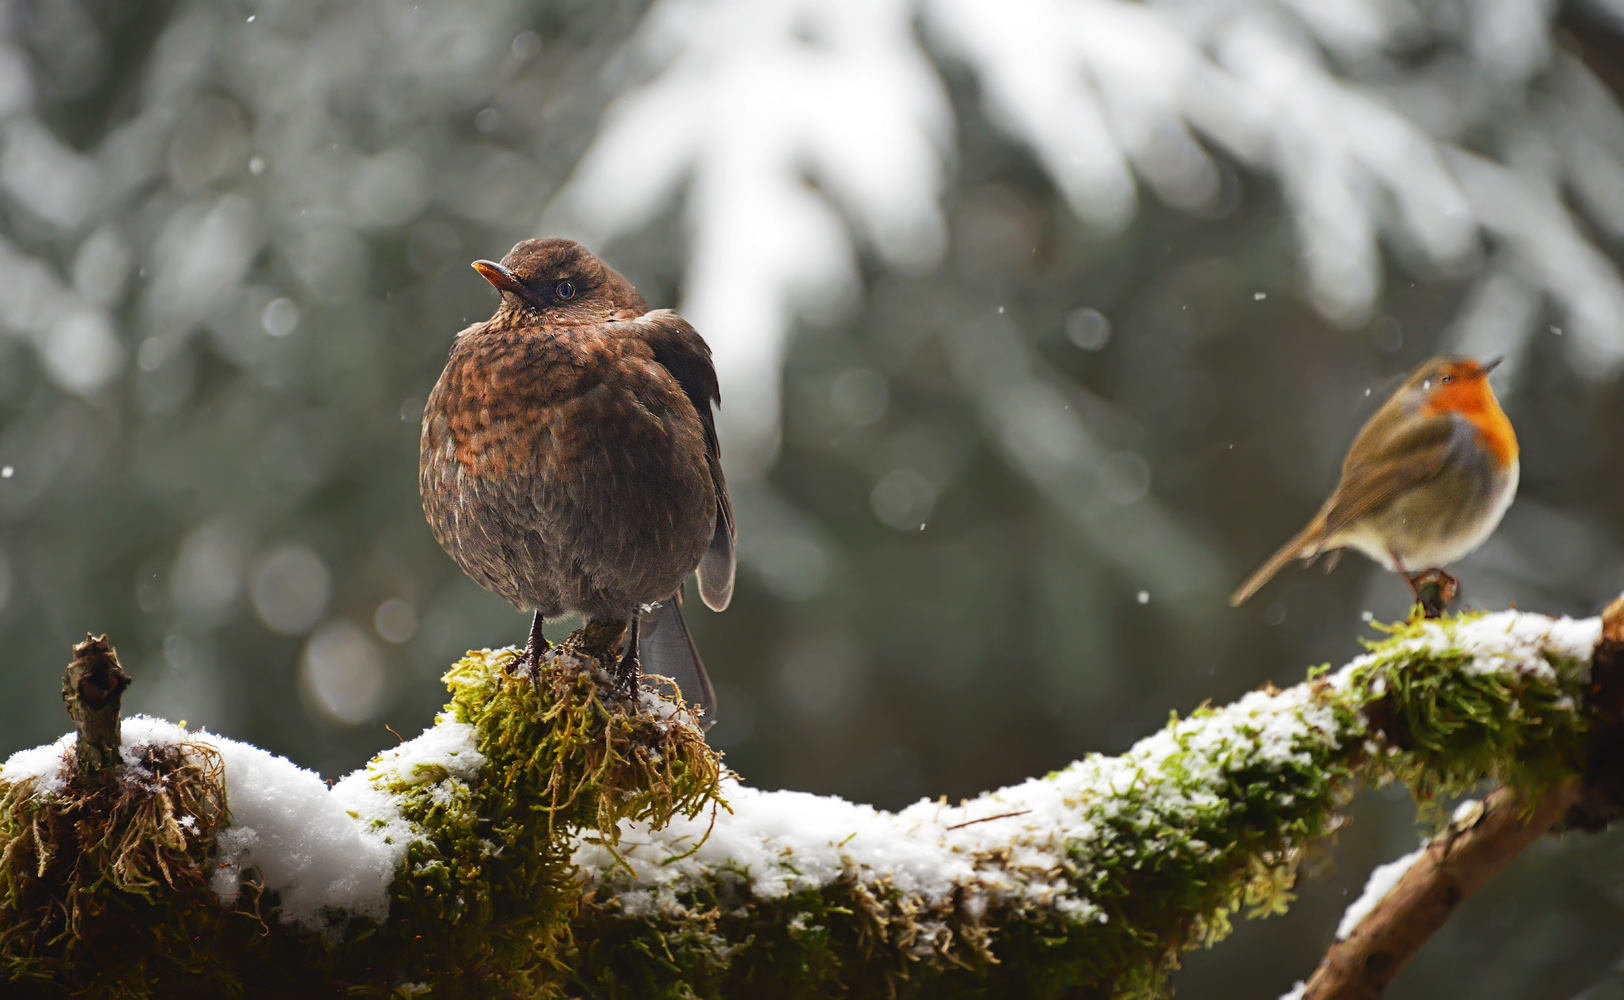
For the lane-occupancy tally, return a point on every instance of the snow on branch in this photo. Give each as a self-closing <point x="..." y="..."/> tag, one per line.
<point x="548" y="836"/>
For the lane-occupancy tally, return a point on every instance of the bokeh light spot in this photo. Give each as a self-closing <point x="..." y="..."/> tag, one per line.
<point x="342" y="673"/>
<point x="290" y="587"/>
<point x="395" y="620"/>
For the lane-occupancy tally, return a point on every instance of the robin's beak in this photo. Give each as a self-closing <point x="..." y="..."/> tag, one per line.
<point x="501" y="277"/>
<point x="1490" y="365"/>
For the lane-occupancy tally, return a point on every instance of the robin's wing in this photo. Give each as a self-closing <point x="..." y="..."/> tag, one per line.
<point x="1385" y="469"/>
<point x="682" y="352"/>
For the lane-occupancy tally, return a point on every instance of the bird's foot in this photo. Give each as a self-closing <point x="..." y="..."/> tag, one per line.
<point x="627" y="673"/>
<point x="1434" y="590"/>
<point x="528" y="663"/>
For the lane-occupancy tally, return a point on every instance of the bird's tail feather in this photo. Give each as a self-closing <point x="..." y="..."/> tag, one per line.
<point x="1298" y="547"/>
<point x="665" y="648"/>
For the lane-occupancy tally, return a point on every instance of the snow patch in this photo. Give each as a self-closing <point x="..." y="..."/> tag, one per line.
<point x="45" y="765"/>
<point x="328" y="852"/>
<point x="1381" y="882"/>
<point x="1017" y="845"/>
<point x="1504" y="641"/>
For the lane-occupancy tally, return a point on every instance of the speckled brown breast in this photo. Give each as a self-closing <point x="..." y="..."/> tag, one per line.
<point x="564" y="469"/>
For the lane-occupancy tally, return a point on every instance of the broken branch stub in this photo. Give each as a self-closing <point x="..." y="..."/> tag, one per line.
<point x="93" y="688"/>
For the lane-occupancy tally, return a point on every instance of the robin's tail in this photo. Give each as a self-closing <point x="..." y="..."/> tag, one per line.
<point x="664" y="648"/>
<point x="1305" y="545"/>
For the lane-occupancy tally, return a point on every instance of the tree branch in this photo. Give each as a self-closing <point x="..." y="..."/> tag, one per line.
<point x="549" y="839"/>
<point x="1471" y="850"/>
<point x="1456" y="864"/>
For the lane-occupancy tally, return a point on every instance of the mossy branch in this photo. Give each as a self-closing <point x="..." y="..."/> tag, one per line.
<point x="1476" y="845"/>
<point x="550" y="840"/>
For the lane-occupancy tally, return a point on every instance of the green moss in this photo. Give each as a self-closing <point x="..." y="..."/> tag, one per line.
<point x="1170" y="857"/>
<point x="109" y="893"/>
<point x="1166" y="846"/>
<point x="491" y="892"/>
<point x="90" y="884"/>
<point x="1447" y="726"/>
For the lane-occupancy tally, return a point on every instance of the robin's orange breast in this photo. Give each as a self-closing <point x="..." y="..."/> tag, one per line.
<point x="1474" y="400"/>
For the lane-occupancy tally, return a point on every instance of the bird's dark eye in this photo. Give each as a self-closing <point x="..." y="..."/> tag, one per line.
<point x="564" y="289"/>
<point x="1447" y="378"/>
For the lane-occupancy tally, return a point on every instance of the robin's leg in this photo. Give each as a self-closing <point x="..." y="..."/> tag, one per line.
<point x="1434" y="589"/>
<point x="1398" y="564"/>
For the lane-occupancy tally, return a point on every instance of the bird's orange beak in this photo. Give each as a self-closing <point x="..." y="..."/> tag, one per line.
<point x="501" y="277"/>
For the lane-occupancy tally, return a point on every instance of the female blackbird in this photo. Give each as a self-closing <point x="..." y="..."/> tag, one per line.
<point x="570" y="462"/>
<point x="1425" y="482"/>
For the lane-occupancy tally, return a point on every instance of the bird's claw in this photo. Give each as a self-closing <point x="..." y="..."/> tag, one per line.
<point x="529" y="662"/>
<point x="627" y="673"/>
<point x="1434" y="590"/>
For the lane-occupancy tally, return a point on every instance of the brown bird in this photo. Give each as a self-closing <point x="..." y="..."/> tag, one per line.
<point x="570" y="462"/>
<point x="1425" y="482"/>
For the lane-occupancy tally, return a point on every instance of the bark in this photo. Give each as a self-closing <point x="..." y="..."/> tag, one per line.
<point x="1456" y="864"/>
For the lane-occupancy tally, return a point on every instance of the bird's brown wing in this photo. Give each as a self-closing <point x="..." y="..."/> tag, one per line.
<point x="1379" y="469"/>
<point x="665" y="648"/>
<point x="1387" y="468"/>
<point x="681" y="351"/>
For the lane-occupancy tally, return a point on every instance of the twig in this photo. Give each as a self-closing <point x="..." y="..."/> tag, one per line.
<point x="986" y="819"/>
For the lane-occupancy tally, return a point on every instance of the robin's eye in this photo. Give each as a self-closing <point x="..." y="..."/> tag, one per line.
<point x="564" y="289"/>
<point x="1447" y="378"/>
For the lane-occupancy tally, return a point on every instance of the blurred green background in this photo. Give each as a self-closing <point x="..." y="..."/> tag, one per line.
<point x="1039" y="325"/>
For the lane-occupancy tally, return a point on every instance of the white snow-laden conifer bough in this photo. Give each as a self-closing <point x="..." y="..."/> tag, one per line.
<point x="1051" y="845"/>
<point x="1108" y="96"/>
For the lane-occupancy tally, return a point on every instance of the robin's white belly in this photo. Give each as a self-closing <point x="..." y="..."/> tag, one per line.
<point x="1423" y="539"/>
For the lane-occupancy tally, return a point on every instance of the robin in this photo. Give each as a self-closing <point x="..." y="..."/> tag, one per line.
<point x="570" y="462"/>
<point x="1425" y="482"/>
